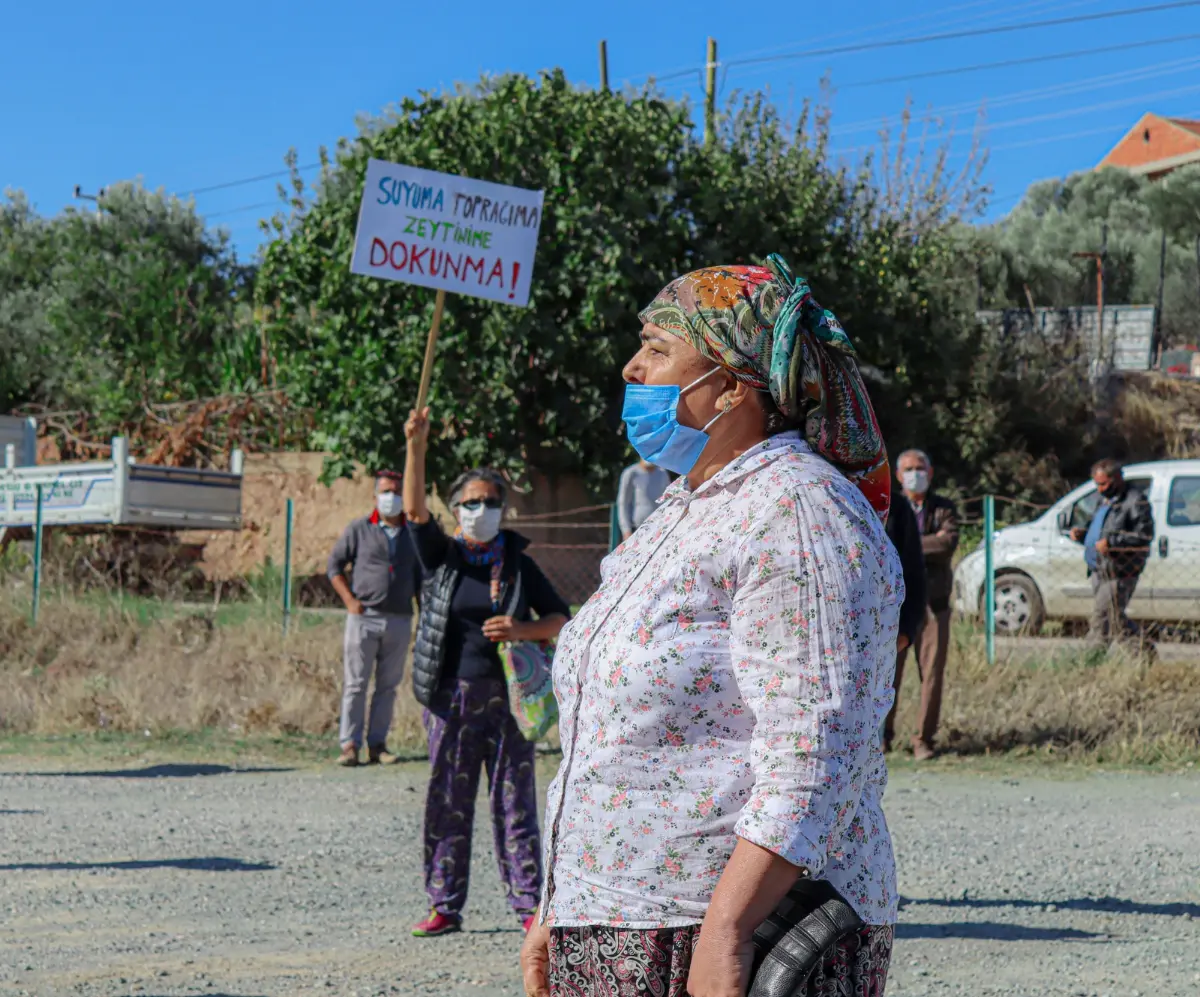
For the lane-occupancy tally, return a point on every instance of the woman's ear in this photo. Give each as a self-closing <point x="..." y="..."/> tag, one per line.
<point x="735" y="393"/>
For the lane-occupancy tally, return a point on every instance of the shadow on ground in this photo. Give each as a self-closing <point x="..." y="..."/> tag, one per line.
<point x="990" y="931"/>
<point x="134" y="865"/>
<point x="177" y="771"/>
<point x="1104" y="905"/>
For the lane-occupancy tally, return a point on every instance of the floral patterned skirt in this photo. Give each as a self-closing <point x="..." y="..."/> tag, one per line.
<point x="631" y="962"/>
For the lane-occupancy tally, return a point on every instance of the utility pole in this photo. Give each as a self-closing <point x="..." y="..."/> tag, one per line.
<point x="1162" y="280"/>
<point x="95" y="198"/>
<point x="1100" y="292"/>
<point x="1099" y="258"/>
<point x="603" y="64"/>
<point x="710" y="93"/>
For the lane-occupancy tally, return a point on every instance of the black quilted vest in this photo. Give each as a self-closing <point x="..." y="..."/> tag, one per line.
<point x="437" y="594"/>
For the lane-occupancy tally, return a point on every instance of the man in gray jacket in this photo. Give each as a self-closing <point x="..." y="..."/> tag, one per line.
<point x="384" y="578"/>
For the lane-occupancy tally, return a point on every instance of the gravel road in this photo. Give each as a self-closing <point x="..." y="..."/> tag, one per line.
<point x="186" y="879"/>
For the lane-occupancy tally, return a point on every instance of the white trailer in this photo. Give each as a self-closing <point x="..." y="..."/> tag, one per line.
<point x="120" y="492"/>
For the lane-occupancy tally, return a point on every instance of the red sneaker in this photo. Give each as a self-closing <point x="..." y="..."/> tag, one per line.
<point x="436" y="924"/>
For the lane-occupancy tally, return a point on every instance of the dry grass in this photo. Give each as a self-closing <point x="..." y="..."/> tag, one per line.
<point x="1158" y="418"/>
<point x="93" y="666"/>
<point x="1114" y="710"/>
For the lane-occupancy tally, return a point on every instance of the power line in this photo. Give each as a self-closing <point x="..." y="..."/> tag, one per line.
<point x="1045" y="139"/>
<point x="1013" y="63"/>
<point x="853" y="48"/>
<point x="992" y="202"/>
<point x="682" y="71"/>
<point x="1058" y="115"/>
<point x="274" y="175"/>
<point x="862" y="46"/>
<point x="244" y="207"/>
<point x="979" y="20"/>
<point x="1038" y="93"/>
<point x="1104" y="106"/>
<point x="940" y="13"/>
<point x="966" y="33"/>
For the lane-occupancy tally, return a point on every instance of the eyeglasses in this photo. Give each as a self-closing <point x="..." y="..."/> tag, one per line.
<point x="474" y="505"/>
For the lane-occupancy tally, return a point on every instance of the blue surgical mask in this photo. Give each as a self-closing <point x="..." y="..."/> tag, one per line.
<point x="651" y="416"/>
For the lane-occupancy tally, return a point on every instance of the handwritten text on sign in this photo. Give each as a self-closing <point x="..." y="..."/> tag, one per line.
<point x="442" y="231"/>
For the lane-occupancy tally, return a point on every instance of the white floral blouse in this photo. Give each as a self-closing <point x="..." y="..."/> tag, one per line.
<point x="728" y="679"/>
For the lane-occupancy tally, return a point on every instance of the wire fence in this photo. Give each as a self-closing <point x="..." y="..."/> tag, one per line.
<point x="172" y="568"/>
<point x="1057" y="574"/>
<point x="569" y="546"/>
<point x="1032" y="561"/>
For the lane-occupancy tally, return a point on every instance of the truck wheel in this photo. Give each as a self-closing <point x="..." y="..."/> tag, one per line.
<point x="1019" y="608"/>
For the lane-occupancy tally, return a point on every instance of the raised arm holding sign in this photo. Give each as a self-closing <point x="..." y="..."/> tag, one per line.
<point x="473" y="237"/>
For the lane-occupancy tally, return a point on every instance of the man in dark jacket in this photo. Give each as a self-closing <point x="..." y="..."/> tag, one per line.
<point x="385" y="576"/>
<point x="937" y="524"/>
<point x="905" y="535"/>
<point x="1116" y="547"/>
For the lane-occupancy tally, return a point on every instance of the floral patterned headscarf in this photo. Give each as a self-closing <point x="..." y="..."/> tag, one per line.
<point x="762" y="325"/>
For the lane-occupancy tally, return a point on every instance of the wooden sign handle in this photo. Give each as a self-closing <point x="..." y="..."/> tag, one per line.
<point x="430" y="347"/>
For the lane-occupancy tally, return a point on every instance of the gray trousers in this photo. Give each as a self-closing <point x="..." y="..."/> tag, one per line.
<point x="374" y="643"/>
<point x="1110" y="599"/>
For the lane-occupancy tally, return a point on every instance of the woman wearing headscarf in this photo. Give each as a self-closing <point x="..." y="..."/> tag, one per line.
<point x="480" y="589"/>
<point x="721" y="694"/>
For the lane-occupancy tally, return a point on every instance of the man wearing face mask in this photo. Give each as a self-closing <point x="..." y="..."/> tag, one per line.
<point x="481" y="588"/>
<point x="378" y="597"/>
<point x="937" y="523"/>
<point x="1116" y="547"/>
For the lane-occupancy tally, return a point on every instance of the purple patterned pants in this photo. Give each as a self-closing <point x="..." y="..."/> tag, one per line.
<point x="632" y="962"/>
<point x="477" y="733"/>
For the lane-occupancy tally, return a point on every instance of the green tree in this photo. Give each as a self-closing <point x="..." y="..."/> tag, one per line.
<point x="1034" y="246"/>
<point x="511" y="386"/>
<point x="885" y="256"/>
<point x="632" y="199"/>
<point x="112" y="310"/>
<point x="27" y="253"/>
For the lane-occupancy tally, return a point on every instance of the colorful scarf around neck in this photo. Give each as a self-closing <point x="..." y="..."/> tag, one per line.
<point x="491" y="554"/>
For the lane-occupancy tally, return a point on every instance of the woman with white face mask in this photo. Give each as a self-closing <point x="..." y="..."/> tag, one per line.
<point x="480" y="589"/>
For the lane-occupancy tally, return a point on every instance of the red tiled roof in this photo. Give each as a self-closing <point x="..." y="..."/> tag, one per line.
<point x="1156" y="145"/>
<point x="1190" y="125"/>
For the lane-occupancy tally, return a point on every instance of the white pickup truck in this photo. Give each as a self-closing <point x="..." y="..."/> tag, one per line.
<point x="119" y="492"/>
<point x="1041" y="574"/>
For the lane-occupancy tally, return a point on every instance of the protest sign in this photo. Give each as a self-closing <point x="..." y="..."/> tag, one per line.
<point x="447" y="232"/>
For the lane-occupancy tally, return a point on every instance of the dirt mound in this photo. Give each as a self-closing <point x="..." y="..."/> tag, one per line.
<point x="569" y="553"/>
<point x="320" y="514"/>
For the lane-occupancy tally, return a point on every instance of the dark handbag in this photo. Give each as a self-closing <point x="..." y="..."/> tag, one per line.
<point x="791" y="943"/>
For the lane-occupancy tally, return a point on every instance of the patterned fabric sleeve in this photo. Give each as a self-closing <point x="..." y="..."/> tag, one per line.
<point x="803" y="609"/>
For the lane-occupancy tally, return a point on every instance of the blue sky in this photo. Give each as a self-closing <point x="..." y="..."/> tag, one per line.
<point x="189" y="96"/>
